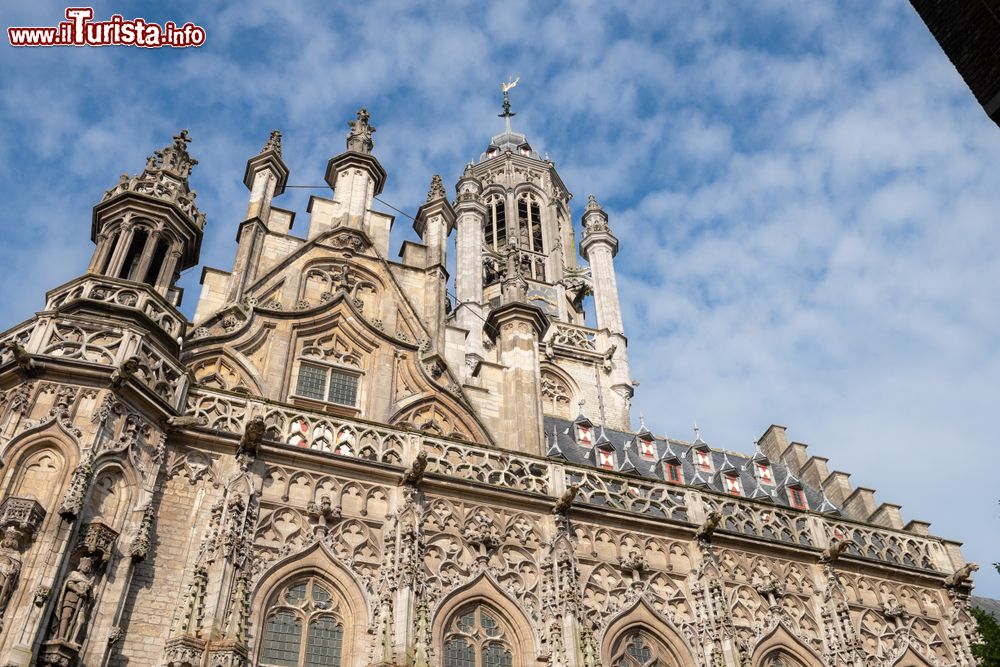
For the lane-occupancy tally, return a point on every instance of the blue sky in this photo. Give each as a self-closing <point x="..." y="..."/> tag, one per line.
<point x="805" y="193"/>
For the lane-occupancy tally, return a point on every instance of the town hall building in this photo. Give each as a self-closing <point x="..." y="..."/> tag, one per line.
<point x="351" y="458"/>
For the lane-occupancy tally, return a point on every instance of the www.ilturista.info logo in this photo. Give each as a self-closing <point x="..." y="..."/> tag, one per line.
<point x="80" y="30"/>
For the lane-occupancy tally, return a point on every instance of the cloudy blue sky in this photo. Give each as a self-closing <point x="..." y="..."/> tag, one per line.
<point x="806" y="193"/>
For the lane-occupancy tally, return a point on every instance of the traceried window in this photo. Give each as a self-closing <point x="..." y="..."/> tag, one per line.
<point x="529" y="217"/>
<point x="327" y="384"/>
<point x="639" y="649"/>
<point x="475" y="637"/>
<point x="496" y="222"/>
<point x="780" y="659"/>
<point x="303" y="626"/>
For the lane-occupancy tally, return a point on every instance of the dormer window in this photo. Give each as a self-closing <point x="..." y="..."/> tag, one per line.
<point x="731" y="483"/>
<point x="330" y="385"/>
<point x="606" y="459"/>
<point x="584" y="435"/>
<point x="672" y="471"/>
<point x="797" y="498"/>
<point x="647" y="448"/>
<point x="703" y="459"/>
<point x="764" y="473"/>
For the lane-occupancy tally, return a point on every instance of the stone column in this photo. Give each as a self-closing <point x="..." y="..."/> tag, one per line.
<point x="517" y="328"/>
<point x="469" y="261"/>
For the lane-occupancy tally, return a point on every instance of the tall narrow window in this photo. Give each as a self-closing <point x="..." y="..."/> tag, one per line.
<point x="133" y="255"/>
<point x="303" y="626"/>
<point x="112" y="242"/>
<point x="476" y="638"/>
<point x="529" y="217"/>
<point x="153" y="272"/>
<point x="496" y="222"/>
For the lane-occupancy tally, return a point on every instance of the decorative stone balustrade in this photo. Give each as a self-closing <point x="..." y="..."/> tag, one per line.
<point x="120" y="293"/>
<point x="608" y="491"/>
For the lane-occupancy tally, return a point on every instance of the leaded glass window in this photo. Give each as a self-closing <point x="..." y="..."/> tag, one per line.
<point x="327" y="384"/>
<point x="639" y="649"/>
<point x="303" y="626"/>
<point x="475" y="637"/>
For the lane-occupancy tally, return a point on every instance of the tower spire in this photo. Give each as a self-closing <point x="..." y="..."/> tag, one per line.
<point x="507" y="113"/>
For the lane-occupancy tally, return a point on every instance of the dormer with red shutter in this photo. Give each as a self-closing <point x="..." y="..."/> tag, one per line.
<point x="760" y="467"/>
<point x="645" y="442"/>
<point x="701" y="453"/>
<point x="604" y="452"/>
<point x="583" y="431"/>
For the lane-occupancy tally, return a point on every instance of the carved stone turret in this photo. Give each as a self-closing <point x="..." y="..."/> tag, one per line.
<point x="148" y="228"/>
<point x="356" y="176"/>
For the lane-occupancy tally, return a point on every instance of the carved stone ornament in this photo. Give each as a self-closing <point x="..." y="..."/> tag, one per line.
<point x="359" y="139"/>
<point x="10" y="567"/>
<point x="182" y="651"/>
<point x="25" y="514"/>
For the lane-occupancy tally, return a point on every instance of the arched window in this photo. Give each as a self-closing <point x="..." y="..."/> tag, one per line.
<point x="495" y="232"/>
<point x="529" y="218"/>
<point x="303" y="626"/>
<point x="639" y="648"/>
<point x="476" y="637"/>
<point x="780" y="658"/>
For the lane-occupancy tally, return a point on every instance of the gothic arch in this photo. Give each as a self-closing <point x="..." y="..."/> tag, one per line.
<point x="559" y="391"/>
<point x="316" y="561"/>
<point x="438" y="417"/>
<point x="109" y="497"/>
<point x="225" y="369"/>
<point x="641" y="617"/>
<point x="485" y="591"/>
<point x="781" y="641"/>
<point x="38" y="467"/>
<point x="911" y="659"/>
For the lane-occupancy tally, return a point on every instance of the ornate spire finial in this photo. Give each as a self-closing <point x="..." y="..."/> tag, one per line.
<point x="468" y="170"/>
<point x="697" y="432"/>
<point x="273" y="143"/>
<point x="437" y="189"/>
<point x="359" y="139"/>
<point x="642" y="421"/>
<point x="505" y="87"/>
<point x="592" y="204"/>
<point x="165" y="177"/>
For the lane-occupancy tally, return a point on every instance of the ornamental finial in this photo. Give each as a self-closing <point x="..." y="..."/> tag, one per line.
<point x="359" y="139"/>
<point x="273" y="143"/>
<point x="437" y="190"/>
<point x="505" y="88"/>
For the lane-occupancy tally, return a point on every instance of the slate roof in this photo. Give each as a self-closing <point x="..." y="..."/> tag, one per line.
<point x="560" y="436"/>
<point x="991" y="607"/>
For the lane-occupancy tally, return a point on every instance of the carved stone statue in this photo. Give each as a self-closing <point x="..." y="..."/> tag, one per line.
<point x="10" y="565"/>
<point x="359" y="139"/>
<point x="415" y="472"/>
<point x="835" y="550"/>
<point x="961" y="576"/>
<point x="566" y="499"/>
<point x="708" y="527"/>
<point x="76" y="594"/>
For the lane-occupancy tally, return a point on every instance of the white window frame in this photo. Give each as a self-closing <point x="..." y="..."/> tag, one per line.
<point x="327" y="368"/>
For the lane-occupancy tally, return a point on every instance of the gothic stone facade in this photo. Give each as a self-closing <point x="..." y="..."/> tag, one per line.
<point x="338" y="464"/>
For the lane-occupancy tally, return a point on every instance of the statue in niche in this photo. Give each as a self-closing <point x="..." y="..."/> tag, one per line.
<point x="73" y="602"/>
<point x="10" y="565"/>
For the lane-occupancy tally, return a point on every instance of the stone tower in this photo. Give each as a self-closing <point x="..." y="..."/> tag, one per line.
<point x="335" y="464"/>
